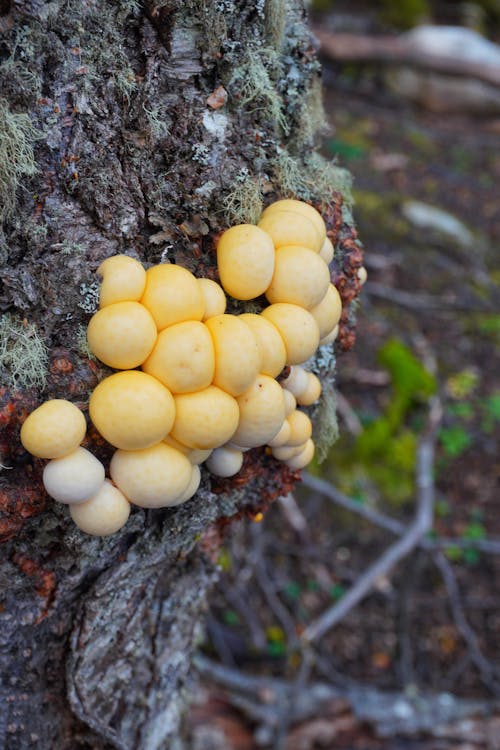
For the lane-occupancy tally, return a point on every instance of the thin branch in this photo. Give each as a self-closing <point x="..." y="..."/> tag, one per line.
<point x="421" y="525"/>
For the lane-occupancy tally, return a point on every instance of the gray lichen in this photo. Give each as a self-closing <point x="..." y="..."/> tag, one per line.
<point x="23" y="354"/>
<point x="17" y="160"/>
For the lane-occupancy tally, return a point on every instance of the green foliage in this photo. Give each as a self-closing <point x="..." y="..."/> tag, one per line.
<point x="17" y="159"/>
<point x="454" y="440"/>
<point x="23" y="354"/>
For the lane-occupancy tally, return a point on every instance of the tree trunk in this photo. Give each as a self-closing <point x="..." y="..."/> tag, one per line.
<point x="146" y="129"/>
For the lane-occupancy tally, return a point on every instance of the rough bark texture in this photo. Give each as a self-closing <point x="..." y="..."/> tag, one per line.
<point x="110" y="145"/>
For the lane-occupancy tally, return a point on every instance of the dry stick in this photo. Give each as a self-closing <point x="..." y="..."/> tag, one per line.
<point x="485" y="668"/>
<point x="421" y="525"/>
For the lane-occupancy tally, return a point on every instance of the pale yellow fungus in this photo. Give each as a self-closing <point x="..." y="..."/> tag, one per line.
<point x="284" y="452"/>
<point x="205" y="419"/>
<point x="301" y="428"/>
<point x="225" y="461"/>
<point x="237" y="357"/>
<point x="172" y="295"/>
<point x="104" y="513"/>
<point x="281" y="437"/>
<point x="123" y="280"/>
<point x="300" y="460"/>
<point x="362" y="275"/>
<point x="290" y="401"/>
<point x="330" y="337"/>
<point x="215" y="299"/>
<point x="262" y="412"/>
<point x="194" y="455"/>
<point x="327" y="251"/>
<point x="312" y="392"/>
<point x="73" y="478"/>
<point x="290" y="204"/>
<point x="297" y="381"/>
<point x="183" y="358"/>
<point x="122" y="335"/>
<point x="192" y="487"/>
<point x="298" y="330"/>
<point x="327" y="313"/>
<point x="245" y="259"/>
<point x="300" y="277"/>
<point x="54" y="429"/>
<point x="290" y="228"/>
<point x="132" y="410"/>
<point x="155" y="477"/>
<point x="271" y="345"/>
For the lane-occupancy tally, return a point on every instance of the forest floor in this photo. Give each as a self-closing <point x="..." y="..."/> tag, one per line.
<point x="429" y="320"/>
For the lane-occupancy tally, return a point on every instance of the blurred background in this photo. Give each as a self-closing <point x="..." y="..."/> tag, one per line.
<point x="412" y="100"/>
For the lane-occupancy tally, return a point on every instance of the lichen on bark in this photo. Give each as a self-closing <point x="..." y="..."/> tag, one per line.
<point x="96" y="635"/>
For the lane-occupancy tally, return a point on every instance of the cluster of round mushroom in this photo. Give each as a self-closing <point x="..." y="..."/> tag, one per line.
<point x="206" y="390"/>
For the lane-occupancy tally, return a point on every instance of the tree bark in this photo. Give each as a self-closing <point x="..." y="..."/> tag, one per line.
<point x="146" y="129"/>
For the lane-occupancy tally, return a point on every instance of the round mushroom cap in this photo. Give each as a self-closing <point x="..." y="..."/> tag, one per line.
<point x="172" y="295"/>
<point x="327" y="252"/>
<point x="327" y="313"/>
<point x="299" y="207"/>
<point x="290" y="401"/>
<point x="225" y="461"/>
<point x="284" y="452"/>
<point x="301" y="428"/>
<point x="237" y="357"/>
<point x="297" y="381"/>
<point x="194" y="455"/>
<point x="73" y="478"/>
<point x="122" y="335"/>
<point x="298" y="330"/>
<point x="245" y="259"/>
<point x="271" y="346"/>
<point x="215" y="299"/>
<point x="104" y="513"/>
<point x="192" y="487"/>
<point x="281" y="437"/>
<point x="312" y="392"/>
<point x="300" y="277"/>
<point x="155" y="477"/>
<point x="205" y="419"/>
<point x="183" y="358"/>
<point x="123" y="280"/>
<point x="54" y="429"/>
<point x="132" y="410"/>
<point x="362" y="275"/>
<point x="300" y="460"/>
<point x="262" y="412"/>
<point x="291" y="228"/>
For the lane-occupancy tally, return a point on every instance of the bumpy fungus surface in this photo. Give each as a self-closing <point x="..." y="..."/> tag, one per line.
<point x="245" y="257"/>
<point x="54" y="429"/>
<point x="123" y="280"/>
<point x="172" y="295"/>
<point x="122" y="335"/>
<point x="73" y="478"/>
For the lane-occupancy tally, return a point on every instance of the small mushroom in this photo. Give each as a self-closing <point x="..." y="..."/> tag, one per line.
<point x="362" y="275"/>
<point x="225" y="461"/>
<point x="54" y="429"/>
<point x="281" y="437"/>
<point x="192" y="487"/>
<point x="245" y="259"/>
<point x="262" y="411"/>
<point x="312" y="392"/>
<point x="183" y="357"/>
<point x="296" y="382"/>
<point x="132" y="410"/>
<point x="271" y="346"/>
<point x="237" y="356"/>
<point x="300" y="460"/>
<point x="155" y="477"/>
<point x="215" y="299"/>
<point x="123" y="280"/>
<point x="104" y="513"/>
<point x="285" y="452"/>
<point x="172" y="295"/>
<point x="122" y="335"/>
<point x="301" y="428"/>
<point x="330" y="337"/>
<point x="194" y="455"/>
<point x="327" y="313"/>
<point x="205" y="419"/>
<point x="299" y="207"/>
<point x="300" y="277"/>
<point x="327" y="252"/>
<point x="73" y="478"/>
<point x="297" y="328"/>
<point x="290" y="401"/>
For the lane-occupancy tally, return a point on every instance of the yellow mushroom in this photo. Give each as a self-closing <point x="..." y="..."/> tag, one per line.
<point x="183" y="358"/>
<point x="291" y="228"/>
<point x="327" y="252"/>
<point x="245" y="259"/>
<point x="330" y="337"/>
<point x="301" y="428"/>
<point x="296" y="382"/>
<point x="194" y="455"/>
<point x="73" y="478"/>
<point x="123" y="280"/>
<point x="285" y="452"/>
<point x="237" y="357"/>
<point x="122" y="335"/>
<point x="132" y="410"/>
<point x="300" y="277"/>
<point x="290" y="402"/>
<point x="225" y="461"/>
<point x="54" y="429"/>
<point x="300" y="460"/>
<point x="262" y="412"/>
<point x="299" y="207"/>
<point x="271" y="346"/>
<point x="362" y="275"/>
<point x="281" y="437"/>
<point x="192" y="487"/>
<point x="327" y="313"/>
<point x="104" y="513"/>
<point x="205" y="419"/>
<point x="312" y="392"/>
<point x="155" y="477"/>
<point x="172" y="295"/>
<point x="215" y="299"/>
<point x="298" y="330"/>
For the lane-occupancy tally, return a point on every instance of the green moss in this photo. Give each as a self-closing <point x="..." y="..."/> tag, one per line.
<point x="17" y="159"/>
<point x="23" y="354"/>
<point x="253" y="85"/>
